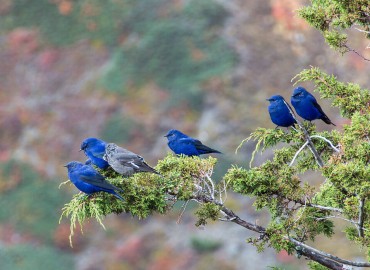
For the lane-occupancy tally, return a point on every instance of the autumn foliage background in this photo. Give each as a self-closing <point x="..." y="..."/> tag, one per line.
<point x="128" y="71"/>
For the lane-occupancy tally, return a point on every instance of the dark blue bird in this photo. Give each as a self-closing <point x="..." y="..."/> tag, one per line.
<point x="89" y="181"/>
<point x="279" y="112"/>
<point x="307" y="107"/>
<point x="181" y="143"/>
<point x="95" y="149"/>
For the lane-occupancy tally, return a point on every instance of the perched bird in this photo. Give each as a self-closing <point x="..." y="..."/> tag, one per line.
<point x="89" y="181"/>
<point x="124" y="161"/>
<point x="279" y="112"/>
<point x="181" y="143"/>
<point x="307" y="107"/>
<point x="95" y="149"/>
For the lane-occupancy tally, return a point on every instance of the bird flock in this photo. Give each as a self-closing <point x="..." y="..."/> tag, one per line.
<point x="109" y="155"/>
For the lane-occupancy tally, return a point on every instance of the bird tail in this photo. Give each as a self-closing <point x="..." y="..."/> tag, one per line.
<point x="147" y="168"/>
<point x="118" y="196"/>
<point x="326" y="119"/>
<point x="206" y="150"/>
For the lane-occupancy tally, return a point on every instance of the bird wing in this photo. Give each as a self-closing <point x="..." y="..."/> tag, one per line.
<point x="98" y="153"/>
<point x="134" y="161"/>
<point x="198" y="145"/>
<point x="128" y="159"/>
<point x="92" y="177"/>
<point x="188" y="140"/>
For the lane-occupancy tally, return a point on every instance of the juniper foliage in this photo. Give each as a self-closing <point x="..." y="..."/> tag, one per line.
<point x="334" y="17"/>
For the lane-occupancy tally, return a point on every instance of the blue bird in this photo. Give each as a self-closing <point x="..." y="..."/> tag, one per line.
<point x="181" y="143"/>
<point x="89" y="181"/>
<point x="279" y="112"/>
<point x="307" y="107"/>
<point x="95" y="149"/>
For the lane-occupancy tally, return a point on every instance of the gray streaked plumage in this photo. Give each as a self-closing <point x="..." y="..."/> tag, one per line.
<point x="124" y="161"/>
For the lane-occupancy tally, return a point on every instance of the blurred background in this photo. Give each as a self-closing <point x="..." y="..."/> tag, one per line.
<point x="127" y="71"/>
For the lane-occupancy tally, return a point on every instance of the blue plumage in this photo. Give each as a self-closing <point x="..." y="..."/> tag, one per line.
<point x="89" y="181"/>
<point x="279" y="112"/>
<point x="94" y="149"/>
<point x="306" y="106"/>
<point x="181" y="143"/>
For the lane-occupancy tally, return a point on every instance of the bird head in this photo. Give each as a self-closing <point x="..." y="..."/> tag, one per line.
<point x="299" y="92"/>
<point x="174" y="134"/>
<point x="73" y="165"/>
<point x="90" y="142"/>
<point x="275" y="98"/>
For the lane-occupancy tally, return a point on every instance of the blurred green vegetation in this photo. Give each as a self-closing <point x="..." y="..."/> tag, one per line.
<point x="30" y="257"/>
<point x="205" y="244"/>
<point x="177" y="48"/>
<point x="119" y="129"/>
<point x="30" y="205"/>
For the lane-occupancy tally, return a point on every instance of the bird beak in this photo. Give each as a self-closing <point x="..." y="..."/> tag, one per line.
<point x="65" y="165"/>
<point x="80" y="150"/>
<point x="267" y="99"/>
<point x="165" y="135"/>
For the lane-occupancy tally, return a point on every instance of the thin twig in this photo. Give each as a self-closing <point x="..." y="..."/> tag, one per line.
<point x="296" y="154"/>
<point x="356" y="52"/>
<point x="361" y="30"/>
<point x="304" y="208"/>
<point x="361" y="218"/>
<point x="328" y="141"/>
<point x="182" y="212"/>
<point x="63" y="183"/>
<point x="326" y="208"/>
<point x="339" y="217"/>
<point x="213" y="186"/>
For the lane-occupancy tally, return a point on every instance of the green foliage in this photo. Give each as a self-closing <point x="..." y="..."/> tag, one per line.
<point x="348" y="97"/>
<point x="205" y="245"/>
<point x="333" y="17"/>
<point x="30" y="257"/>
<point x="118" y="129"/>
<point x="144" y="193"/>
<point x="205" y="212"/>
<point x="36" y="213"/>
<point x="316" y="266"/>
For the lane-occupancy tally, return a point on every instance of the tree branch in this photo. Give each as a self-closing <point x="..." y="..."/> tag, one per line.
<point x="319" y="256"/>
<point x="356" y="52"/>
<point x="320" y="253"/>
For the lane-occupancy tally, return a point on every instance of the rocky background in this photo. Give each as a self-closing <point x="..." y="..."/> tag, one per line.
<point x="128" y="71"/>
